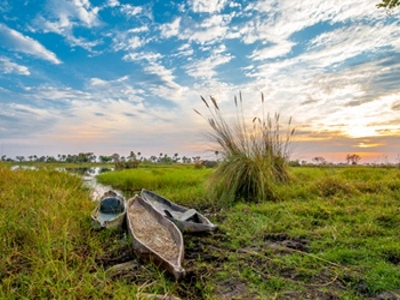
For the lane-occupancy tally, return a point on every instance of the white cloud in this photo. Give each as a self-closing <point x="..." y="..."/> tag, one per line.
<point x="143" y="28"/>
<point x="7" y="67"/>
<point x="60" y="94"/>
<point x="63" y="16"/>
<point x="113" y="3"/>
<point x="97" y="81"/>
<point x="184" y="50"/>
<point x="134" y="42"/>
<point x="275" y="21"/>
<point x="207" y="6"/>
<point x="67" y="14"/>
<point x="100" y="82"/>
<point x="273" y="51"/>
<point x="205" y="68"/>
<point x="341" y="44"/>
<point x="210" y="30"/>
<point x="86" y="13"/>
<point x="149" y="56"/>
<point x="130" y="10"/>
<point x="170" y="29"/>
<point x="21" y="43"/>
<point x="127" y="41"/>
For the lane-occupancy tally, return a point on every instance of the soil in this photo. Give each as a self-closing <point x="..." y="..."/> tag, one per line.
<point x="206" y="254"/>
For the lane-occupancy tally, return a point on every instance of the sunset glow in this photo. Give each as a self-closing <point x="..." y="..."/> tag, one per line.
<point x="109" y="76"/>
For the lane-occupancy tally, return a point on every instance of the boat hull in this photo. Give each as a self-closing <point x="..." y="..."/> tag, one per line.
<point x="174" y="212"/>
<point x="144" y="249"/>
<point x="109" y="220"/>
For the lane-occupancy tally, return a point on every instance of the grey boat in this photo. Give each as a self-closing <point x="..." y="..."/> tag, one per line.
<point x="187" y="220"/>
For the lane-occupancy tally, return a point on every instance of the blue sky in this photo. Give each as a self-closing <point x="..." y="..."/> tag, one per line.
<point x="110" y="76"/>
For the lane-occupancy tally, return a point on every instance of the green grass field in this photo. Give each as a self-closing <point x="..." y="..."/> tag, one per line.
<point x="332" y="234"/>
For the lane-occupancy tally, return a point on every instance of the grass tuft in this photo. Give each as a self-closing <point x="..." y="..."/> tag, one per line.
<point x="254" y="156"/>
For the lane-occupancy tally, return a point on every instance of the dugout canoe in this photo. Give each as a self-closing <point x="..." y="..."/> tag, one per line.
<point x="110" y="212"/>
<point x="187" y="220"/>
<point x="155" y="238"/>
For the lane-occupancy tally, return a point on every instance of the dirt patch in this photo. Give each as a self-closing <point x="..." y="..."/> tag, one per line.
<point x="277" y="240"/>
<point x="388" y="296"/>
<point x="394" y="259"/>
<point x="231" y="289"/>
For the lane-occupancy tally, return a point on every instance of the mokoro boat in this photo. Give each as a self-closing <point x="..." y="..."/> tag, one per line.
<point x="110" y="212"/>
<point x="155" y="238"/>
<point x="187" y="220"/>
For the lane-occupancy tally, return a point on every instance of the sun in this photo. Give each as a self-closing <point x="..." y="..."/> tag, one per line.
<point x="360" y="131"/>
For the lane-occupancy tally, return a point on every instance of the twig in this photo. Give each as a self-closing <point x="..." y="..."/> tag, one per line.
<point x="321" y="284"/>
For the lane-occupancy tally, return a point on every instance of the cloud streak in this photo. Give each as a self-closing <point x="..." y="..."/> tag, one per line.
<point x="16" y="41"/>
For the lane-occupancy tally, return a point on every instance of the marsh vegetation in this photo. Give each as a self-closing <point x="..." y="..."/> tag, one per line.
<point x="254" y="156"/>
<point x="333" y="234"/>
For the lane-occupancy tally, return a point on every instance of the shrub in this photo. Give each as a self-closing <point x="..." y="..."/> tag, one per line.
<point x="131" y="164"/>
<point x="254" y="158"/>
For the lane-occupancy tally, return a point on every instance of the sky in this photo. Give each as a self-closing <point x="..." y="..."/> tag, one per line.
<point x="114" y="76"/>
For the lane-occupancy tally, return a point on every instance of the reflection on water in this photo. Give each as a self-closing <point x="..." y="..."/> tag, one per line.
<point x="89" y="180"/>
<point x="15" y="168"/>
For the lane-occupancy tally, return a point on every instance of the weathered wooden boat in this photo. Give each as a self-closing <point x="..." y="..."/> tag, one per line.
<point x="155" y="238"/>
<point x="110" y="212"/>
<point x="187" y="220"/>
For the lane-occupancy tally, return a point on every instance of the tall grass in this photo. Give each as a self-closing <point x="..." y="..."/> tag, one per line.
<point x="254" y="156"/>
<point x="184" y="185"/>
<point x="48" y="249"/>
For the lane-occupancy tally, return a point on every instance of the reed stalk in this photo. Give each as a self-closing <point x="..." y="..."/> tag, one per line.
<point x="254" y="156"/>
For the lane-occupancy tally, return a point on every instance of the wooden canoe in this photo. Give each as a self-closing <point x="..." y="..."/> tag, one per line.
<point x="187" y="220"/>
<point x="110" y="212"/>
<point x="155" y="238"/>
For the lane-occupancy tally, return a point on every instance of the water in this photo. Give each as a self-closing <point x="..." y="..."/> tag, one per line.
<point x="89" y="180"/>
<point x="17" y="167"/>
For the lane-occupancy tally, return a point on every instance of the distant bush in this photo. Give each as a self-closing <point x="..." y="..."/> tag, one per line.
<point x="254" y="158"/>
<point x="132" y="164"/>
<point x="209" y="164"/>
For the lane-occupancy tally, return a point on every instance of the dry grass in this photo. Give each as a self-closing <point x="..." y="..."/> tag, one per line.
<point x="254" y="156"/>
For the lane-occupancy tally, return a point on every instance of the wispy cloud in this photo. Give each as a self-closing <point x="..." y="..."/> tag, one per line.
<point x="17" y="41"/>
<point x="273" y="51"/>
<point x="147" y="56"/>
<point x="206" y="68"/>
<point x="21" y="120"/>
<point x="7" y="67"/>
<point x="200" y="6"/>
<point x="210" y="30"/>
<point x="127" y="41"/>
<point x="131" y="10"/>
<point x="170" y="29"/>
<point x="63" y="16"/>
